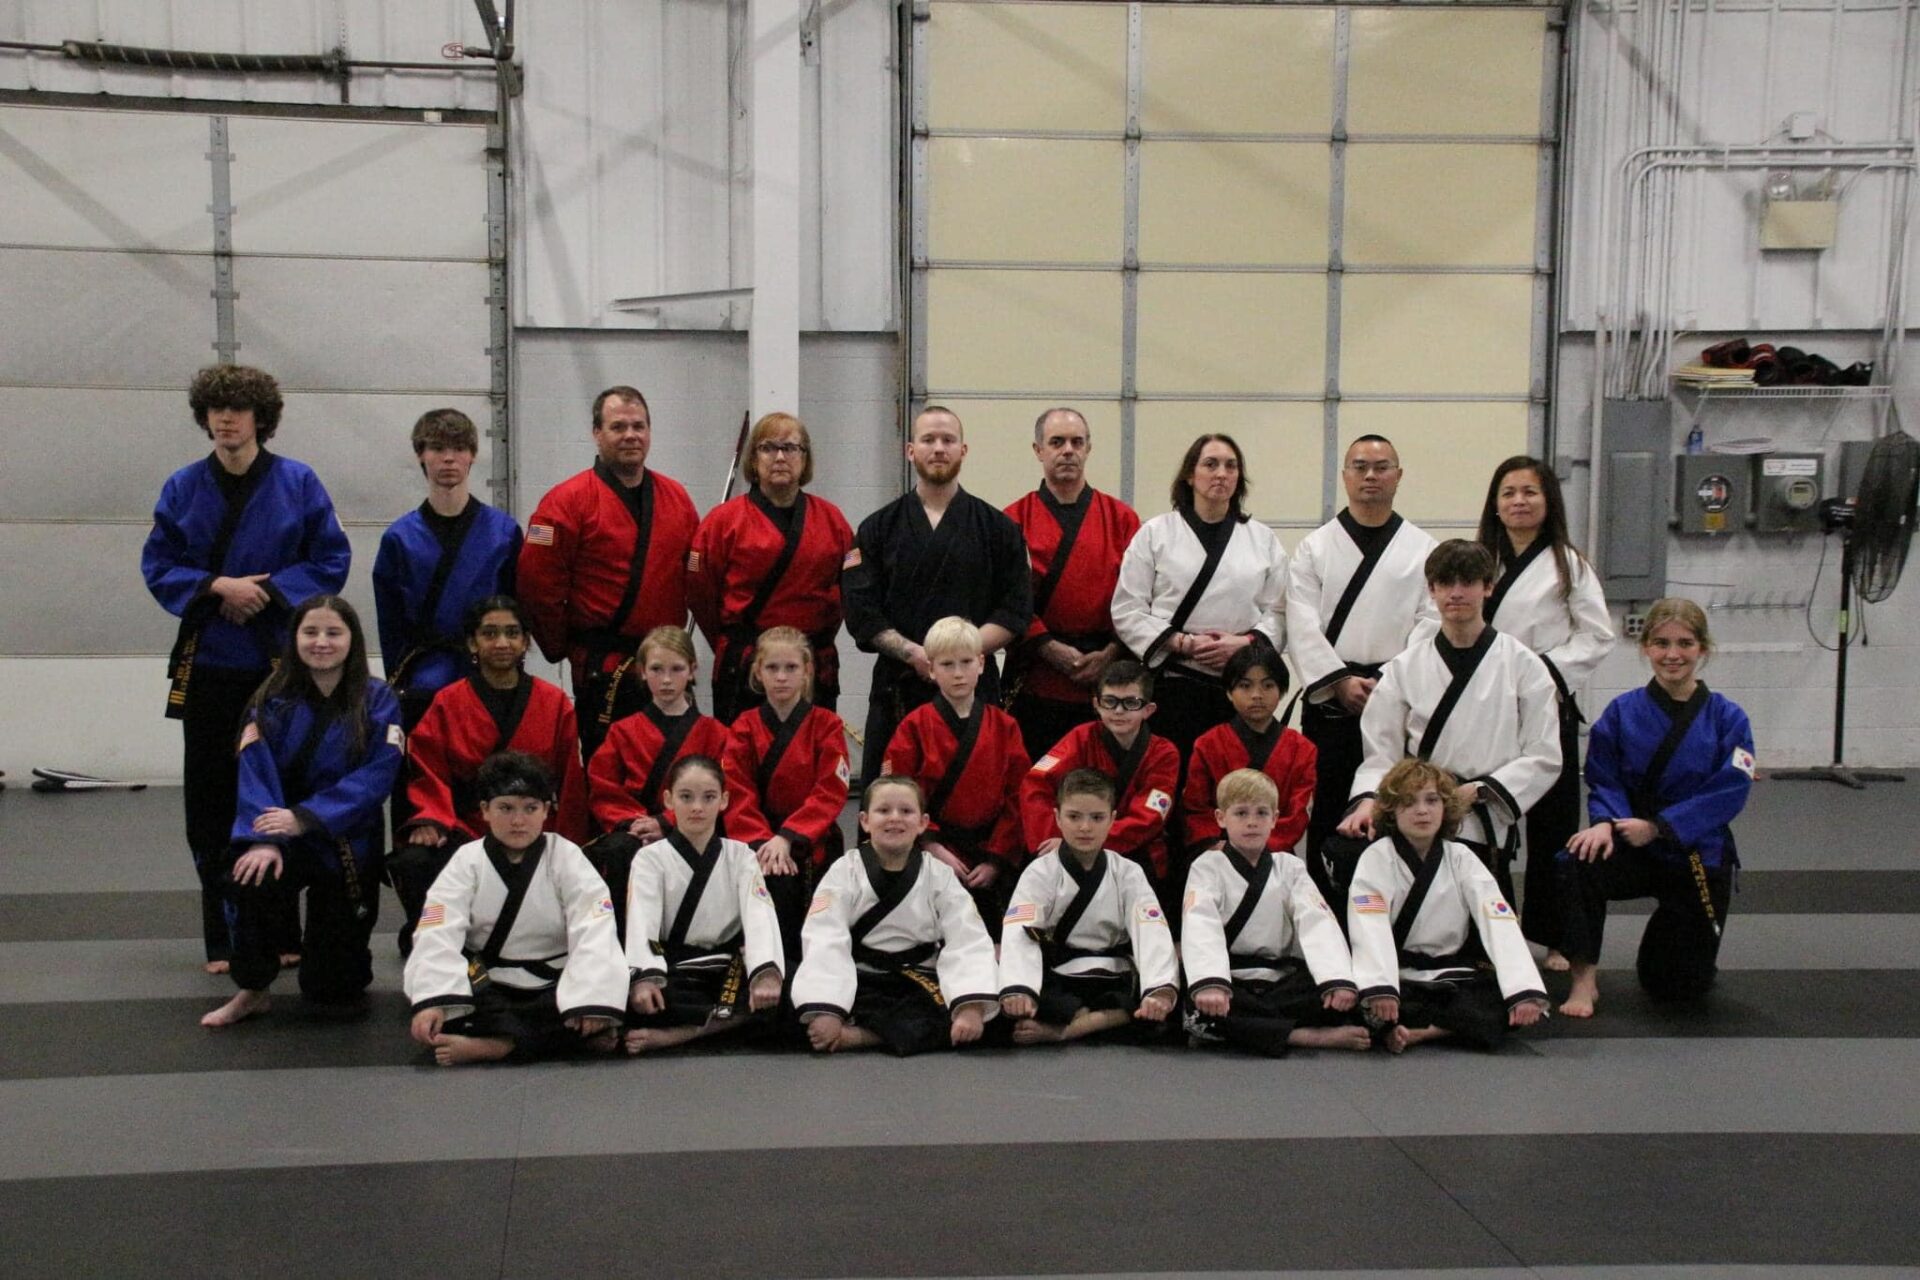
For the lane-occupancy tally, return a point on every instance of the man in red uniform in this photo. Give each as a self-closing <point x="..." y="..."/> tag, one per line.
<point x="1054" y="669"/>
<point x="605" y="558"/>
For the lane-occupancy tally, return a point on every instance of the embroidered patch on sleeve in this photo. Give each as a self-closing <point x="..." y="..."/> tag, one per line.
<point x="540" y="535"/>
<point x="1046" y="764"/>
<point x="1743" y="760"/>
<point x="249" y="735"/>
<point x="852" y="560"/>
<point x="821" y="901"/>
<point x="1499" y="910"/>
<point x="396" y="737"/>
<point x="841" y="772"/>
<point x="432" y="917"/>
<point x="693" y="562"/>
<point x="1370" y="904"/>
<point x="760" y="889"/>
<point x="1150" y="913"/>
<point x="1022" y="913"/>
<point x="606" y="907"/>
<point x="1160" y="802"/>
<point x="1193" y="896"/>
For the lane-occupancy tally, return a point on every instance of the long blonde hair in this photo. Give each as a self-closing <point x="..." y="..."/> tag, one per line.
<point x="774" y="637"/>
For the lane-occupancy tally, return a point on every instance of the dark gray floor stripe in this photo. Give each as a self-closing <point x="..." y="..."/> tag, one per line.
<point x="1303" y="1204"/>
<point x="139" y="1037"/>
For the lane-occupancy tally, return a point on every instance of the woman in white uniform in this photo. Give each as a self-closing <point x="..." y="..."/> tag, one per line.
<point x="1548" y="598"/>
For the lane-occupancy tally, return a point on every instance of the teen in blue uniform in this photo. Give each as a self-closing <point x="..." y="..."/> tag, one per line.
<point x="238" y="539"/>
<point x="1668" y="769"/>
<point x="435" y="563"/>
<point x="318" y="759"/>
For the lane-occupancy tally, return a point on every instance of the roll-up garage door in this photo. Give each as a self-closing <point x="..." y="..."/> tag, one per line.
<point x="356" y="264"/>
<point x="1293" y="223"/>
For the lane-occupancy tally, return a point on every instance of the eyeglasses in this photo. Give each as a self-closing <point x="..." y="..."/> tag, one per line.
<point x="1107" y="702"/>
<point x="786" y="448"/>
<point x="1360" y="468"/>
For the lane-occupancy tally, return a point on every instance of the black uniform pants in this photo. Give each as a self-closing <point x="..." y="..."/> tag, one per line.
<point x="411" y="870"/>
<point x="530" y="1019"/>
<point x="1679" y="950"/>
<point x="210" y="781"/>
<point x="1264" y="1014"/>
<point x="336" y="964"/>
<point x="896" y="691"/>
<point x="1473" y="1010"/>
<point x="1188" y="704"/>
<point x="1550" y="824"/>
<point x="1044" y="721"/>
<point x="1340" y="752"/>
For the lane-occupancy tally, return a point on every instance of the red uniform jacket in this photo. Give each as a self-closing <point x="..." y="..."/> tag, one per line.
<point x="1281" y="753"/>
<point x="459" y="732"/>
<point x="1078" y="610"/>
<point x="574" y="563"/>
<point x="981" y="812"/>
<point x="734" y="552"/>
<point x="1146" y="791"/>
<point x="787" y="779"/>
<point x="623" y="782"/>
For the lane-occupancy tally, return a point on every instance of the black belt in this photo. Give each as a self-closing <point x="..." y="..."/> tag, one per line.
<point x="895" y="961"/>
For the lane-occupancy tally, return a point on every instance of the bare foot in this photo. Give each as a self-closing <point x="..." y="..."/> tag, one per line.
<point x="852" y="1037"/>
<point x="219" y="966"/>
<point x="452" y="1051"/>
<point x="1086" y="1022"/>
<point x="1584" y="996"/>
<point x="645" y="1039"/>
<point x="1348" y="1037"/>
<point x="1401" y="1039"/>
<point x="1555" y="962"/>
<point x="1034" y="1031"/>
<point x="289" y="959"/>
<point x="243" y="1006"/>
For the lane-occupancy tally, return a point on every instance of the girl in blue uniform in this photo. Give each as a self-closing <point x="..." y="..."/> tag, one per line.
<point x="1668" y="768"/>
<point x="318" y="758"/>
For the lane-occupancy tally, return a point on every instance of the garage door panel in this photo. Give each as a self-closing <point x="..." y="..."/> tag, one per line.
<point x="986" y="191"/>
<point x="1436" y="334"/>
<point x="104" y="319"/>
<point x="1023" y="330"/>
<point x="93" y="454"/>
<point x="1051" y="67"/>
<point x="1448" y="448"/>
<point x="1234" y="202"/>
<point x="1476" y="205"/>
<point x="1237" y="70"/>
<point x="1445" y="71"/>
<point x="104" y="179"/>
<point x="1282" y="442"/>
<point x="1210" y="333"/>
<point x="336" y="325"/>
<point x="1000" y="465"/>
<point x="383" y="190"/>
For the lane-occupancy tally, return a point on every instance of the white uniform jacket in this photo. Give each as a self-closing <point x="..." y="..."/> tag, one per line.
<point x="1383" y="615"/>
<point x="1458" y="920"/>
<point x="1503" y="732"/>
<point x="1103" y="921"/>
<point x="1247" y="592"/>
<point x="1572" y="635"/>
<point x="733" y="912"/>
<point x="560" y="930"/>
<point x="1287" y="921"/>
<point x="928" y="916"/>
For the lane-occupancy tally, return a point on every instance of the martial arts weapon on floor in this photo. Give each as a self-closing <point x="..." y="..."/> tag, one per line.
<point x="67" y="780"/>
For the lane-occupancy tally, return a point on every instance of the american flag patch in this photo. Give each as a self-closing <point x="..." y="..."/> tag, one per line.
<point x="540" y="535"/>
<point x="693" y="562"/>
<point x="1046" y="764"/>
<point x="852" y="560"/>
<point x="1370" y="902"/>
<point x="434" y="915"/>
<point x="821" y="901"/>
<point x="1499" y="910"/>
<point x="249" y="735"/>
<point x="1025" y="913"/>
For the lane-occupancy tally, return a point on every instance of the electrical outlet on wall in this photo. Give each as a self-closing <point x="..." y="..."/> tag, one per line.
<point x="1634" y="625"/>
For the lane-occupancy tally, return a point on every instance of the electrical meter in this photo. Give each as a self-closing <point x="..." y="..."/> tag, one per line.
<point x="1711" y="493"/>
<point x="1786" y="492"/>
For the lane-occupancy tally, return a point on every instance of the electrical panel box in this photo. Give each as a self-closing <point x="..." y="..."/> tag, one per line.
<point x="1636" y="474"/>
<point x="1787" y="491"/>
<point x="1710" y="492"/>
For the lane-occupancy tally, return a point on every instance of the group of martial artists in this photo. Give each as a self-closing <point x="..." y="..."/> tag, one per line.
<point x="1078" y="775"/>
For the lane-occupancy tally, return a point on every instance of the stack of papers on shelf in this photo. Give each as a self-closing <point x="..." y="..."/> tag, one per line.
<point x="1706" y="375"/>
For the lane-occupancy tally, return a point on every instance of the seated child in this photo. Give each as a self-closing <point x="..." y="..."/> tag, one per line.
<point x="893" y="955"/>
<point x="703" y="943"/>
<point x="1256" y="680"/>
<point x="515" y="952"/>
<point x="1145" y="770"/>
<point x="1267" y="966"/>
<point x="1425" y="916"/>
<point x="1086" y="948"/>
<point x="968" y="758"/>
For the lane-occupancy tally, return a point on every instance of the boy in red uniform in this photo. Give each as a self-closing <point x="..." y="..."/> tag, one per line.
<point x="1145" y="770"/>
<point x="968" y="758"/>
<point x="1256" y="680"/>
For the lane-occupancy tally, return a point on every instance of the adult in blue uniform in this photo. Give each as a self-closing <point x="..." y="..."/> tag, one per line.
<point x="1668" y="769"/>
<point x="318" y="759"/>
<point x="239" y="538"/>
<point x="435" y="563"/>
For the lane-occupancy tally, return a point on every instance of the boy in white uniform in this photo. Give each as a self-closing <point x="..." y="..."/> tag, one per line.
<point x="1085" y="947"/>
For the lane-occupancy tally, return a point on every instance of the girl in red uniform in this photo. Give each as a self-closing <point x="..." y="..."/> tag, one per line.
<point x="787" y="776"/>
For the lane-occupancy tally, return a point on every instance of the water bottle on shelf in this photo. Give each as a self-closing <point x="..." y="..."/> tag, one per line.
<point x="1696" y="442"/>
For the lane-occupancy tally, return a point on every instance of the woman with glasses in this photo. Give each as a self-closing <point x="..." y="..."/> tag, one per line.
<point x="769" y="558"/>
<point x="1196" y="585"/>
<point x="1548" y="598"/>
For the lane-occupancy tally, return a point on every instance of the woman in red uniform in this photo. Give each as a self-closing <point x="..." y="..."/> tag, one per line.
<point x="769" y="558"/>
<point x="498" y="707"/>
<point x="787" y="776"/>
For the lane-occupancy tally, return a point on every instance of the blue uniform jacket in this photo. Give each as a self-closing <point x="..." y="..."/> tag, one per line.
<point x="340" y="797"/>
<point x="1704" y="785"/>
<point x="287" y="530"/>
<point x="424" y="655"/>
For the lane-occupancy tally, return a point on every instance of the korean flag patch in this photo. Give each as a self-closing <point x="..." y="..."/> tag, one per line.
<point x="1160" y="802"/>
<point x="396" y="737"/>
<point x="1742" y="760"/>
<point x="840" y="770"/>
<point x="1149" y="913"/>
<point x="1499" y="910"/>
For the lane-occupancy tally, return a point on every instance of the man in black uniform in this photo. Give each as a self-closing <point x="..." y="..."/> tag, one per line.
<point x="935" y="552"/>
